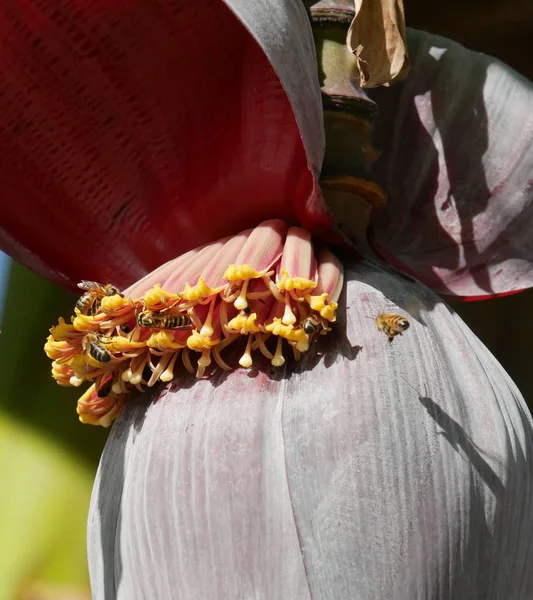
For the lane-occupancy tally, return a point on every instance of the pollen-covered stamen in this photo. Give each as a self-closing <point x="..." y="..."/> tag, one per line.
<point x="86" y="323"/>
<point x="199" y="343"/>
<point x="65" y="332"/>
<point x="60" y="352"/>
<point x="62" y="374"/>
<point x="157" y="299"/>
<point x="265" y="283"/>
<point x="243" y="324"/>
<point x="330" y="282"/>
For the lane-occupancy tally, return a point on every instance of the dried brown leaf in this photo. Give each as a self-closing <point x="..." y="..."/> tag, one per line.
<point x="377" y="39"/>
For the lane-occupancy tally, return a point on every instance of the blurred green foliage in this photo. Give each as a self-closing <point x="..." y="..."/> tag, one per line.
<point x="27" y="390"/>
<point x="48" y="459"/>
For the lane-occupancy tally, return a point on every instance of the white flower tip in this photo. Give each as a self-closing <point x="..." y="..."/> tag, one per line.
<point x="278" y="361"/>
<point x="207" y="331"/>
<point x="246" y="361"/>
<point x="241" y="303"/>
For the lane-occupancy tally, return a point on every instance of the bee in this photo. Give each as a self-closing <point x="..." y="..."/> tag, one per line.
<point x="92" y="345"/>
<point x="154" y="320"/>
<point x="314" y="324"/>
<point x="89" y="302"/>
<point x="391" y="324"/>
<point x="105" y="390"/>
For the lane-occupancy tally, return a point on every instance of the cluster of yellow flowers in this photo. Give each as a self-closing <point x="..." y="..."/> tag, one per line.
<point x="121" y="343"/>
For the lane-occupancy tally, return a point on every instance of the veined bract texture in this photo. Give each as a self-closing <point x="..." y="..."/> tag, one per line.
<point x="367" y="470"/>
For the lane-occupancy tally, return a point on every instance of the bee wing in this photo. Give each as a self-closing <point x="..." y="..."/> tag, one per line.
<point x="413" y="306"/>
<point x="88" y="285"/>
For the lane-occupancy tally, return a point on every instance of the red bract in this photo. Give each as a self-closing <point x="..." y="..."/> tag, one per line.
<point x="133" y="132"/>
<point x="457" y="162"/>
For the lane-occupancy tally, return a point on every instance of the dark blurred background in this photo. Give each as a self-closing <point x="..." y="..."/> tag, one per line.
<point x="49" y="459"/>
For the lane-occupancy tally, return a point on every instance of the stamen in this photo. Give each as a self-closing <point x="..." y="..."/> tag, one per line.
<point x="288" y="316"/>
<point x="137" y="375"/>
<point x="246" y="359"/>
<point x="161" y="366"/>
<point x="195" y="318"/>
<point x="168" y="374"/>
<point x="241" y="303"/>
<point x="273" y="289"/>
<point x="203" y="362"/>
<point x="186" y="359"/>
<point x="207" y="329"/>
<point x="278" y="360"/>
<point x="223" y="314"/>
<point x="275" y="282"/>
<point x="76" y="381"/>
<point x="260" y="343"/>
<point x="127" y="374"/>
<point x="218" y="358"/>
<point x="200" y="290"/>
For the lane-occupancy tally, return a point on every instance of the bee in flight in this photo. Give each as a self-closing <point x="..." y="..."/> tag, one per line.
<point x="92" y="345"/>
<point x="314" y="324"/>
<point x="391" y="324"/>
<point x="89" y="302"/>
<point x="153" y="320"/>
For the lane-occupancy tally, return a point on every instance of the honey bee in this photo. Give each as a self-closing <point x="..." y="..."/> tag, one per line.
<point x="391" y="324"/>
<point x="154" y="320"/>
<point x="89" y="302"/>
<point x="314" y="324"/>
<point x="92" y="345"/>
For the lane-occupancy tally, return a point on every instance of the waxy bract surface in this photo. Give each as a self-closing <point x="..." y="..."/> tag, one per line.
<point x="134" y="132"/>
<point x="457" y="161"/>
<point x="366" y="470"/>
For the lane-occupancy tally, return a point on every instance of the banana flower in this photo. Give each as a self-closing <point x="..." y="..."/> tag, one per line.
<point x="175" y="150"/>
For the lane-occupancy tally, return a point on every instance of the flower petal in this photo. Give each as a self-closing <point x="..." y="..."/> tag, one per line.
<point x="137" y="131"/>
<point x="457" y="162"/>
<point x="397" y="470"/>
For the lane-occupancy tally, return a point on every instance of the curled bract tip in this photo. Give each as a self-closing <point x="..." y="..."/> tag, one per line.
<point x="270" y="284"/>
